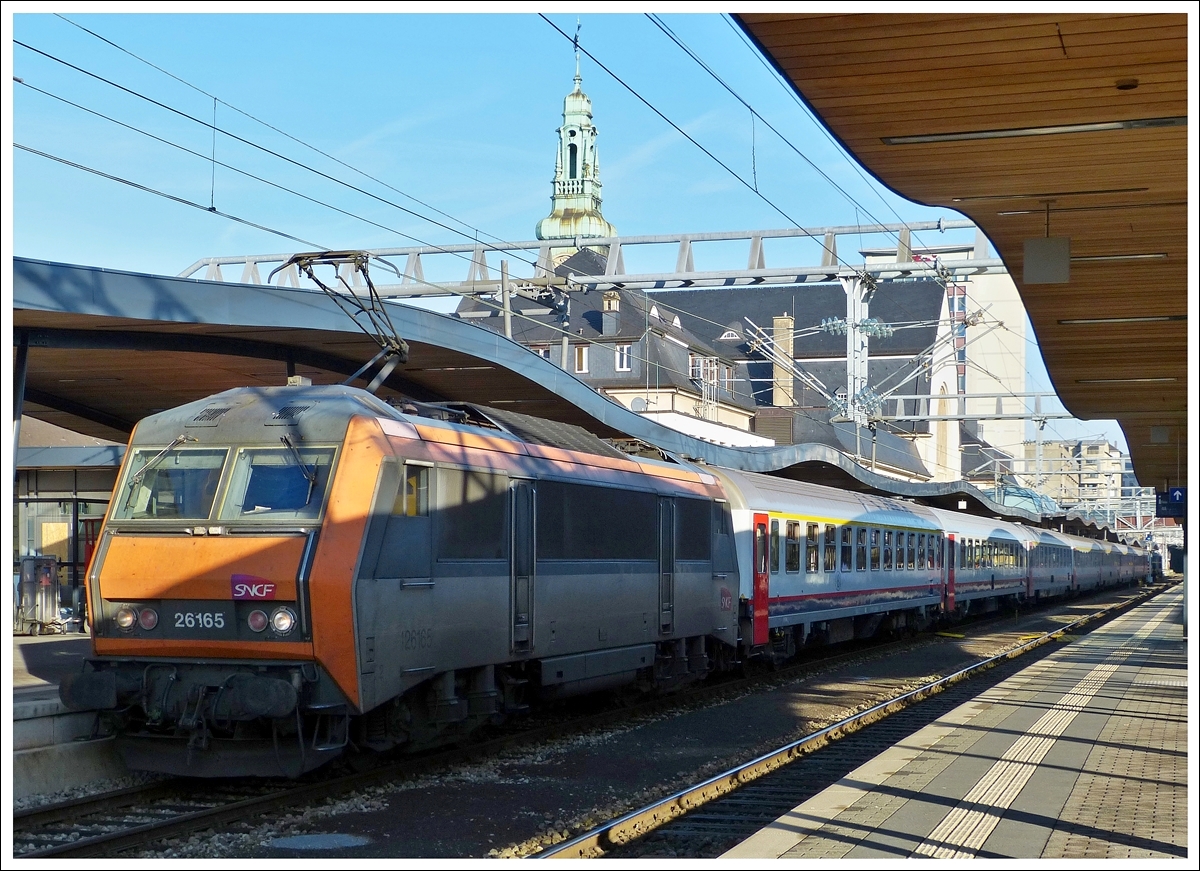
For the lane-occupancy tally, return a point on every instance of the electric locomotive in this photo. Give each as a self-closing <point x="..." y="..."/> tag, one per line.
<point x="284" y="571"/>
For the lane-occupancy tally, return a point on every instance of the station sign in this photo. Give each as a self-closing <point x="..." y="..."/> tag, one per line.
<point x="1172" y="503"/>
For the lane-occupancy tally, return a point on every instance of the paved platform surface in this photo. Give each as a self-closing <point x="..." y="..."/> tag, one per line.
<point x="1081" y="756"/>
<point x="39" y="662"/>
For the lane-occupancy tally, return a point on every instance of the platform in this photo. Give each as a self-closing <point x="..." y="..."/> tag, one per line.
<point x="54" y="748"/>
<point x="1080" y="756"/>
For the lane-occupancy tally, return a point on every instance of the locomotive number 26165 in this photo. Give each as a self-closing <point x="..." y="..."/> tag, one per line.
<point x="416" y="639"/>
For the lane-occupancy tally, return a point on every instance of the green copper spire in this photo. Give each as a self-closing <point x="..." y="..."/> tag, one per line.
<point x="576" y="199"/>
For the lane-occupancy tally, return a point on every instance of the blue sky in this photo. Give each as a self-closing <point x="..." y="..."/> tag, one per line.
<point x="456" y="110"/>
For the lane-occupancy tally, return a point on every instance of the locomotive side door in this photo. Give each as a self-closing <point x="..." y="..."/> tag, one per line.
<point x="666" y="565"/>
<point x="523" y="566"/>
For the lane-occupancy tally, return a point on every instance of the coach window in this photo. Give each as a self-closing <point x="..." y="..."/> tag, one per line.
<point x="887" y="550"/>
<point x="874" y="550"/>
<point x="811" y="553"/>
<point x="860" y="550"/>
<point x="847" y="548"/>
<point x="792" y="556"/>
<point x="912" y="551"/>
<point x="930" y="552"/>
<point x="831" y="548"/>
<point x="774" y="547"/>
<point x="941" y="550"/>
<point x="921" y="550"/>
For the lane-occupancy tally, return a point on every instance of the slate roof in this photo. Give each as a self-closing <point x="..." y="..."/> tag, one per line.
<point x="711" y="311"/>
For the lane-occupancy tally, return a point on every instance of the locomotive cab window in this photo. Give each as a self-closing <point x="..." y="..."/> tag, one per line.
<point x="170" y="483"/>
<point x="285" y="483"/>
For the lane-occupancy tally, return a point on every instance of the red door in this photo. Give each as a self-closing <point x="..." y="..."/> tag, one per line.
<point x="761" y="587"/>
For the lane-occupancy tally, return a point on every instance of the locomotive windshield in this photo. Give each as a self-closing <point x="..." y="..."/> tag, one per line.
<point x="285" y="483"/>
<point x="179" y="484"/>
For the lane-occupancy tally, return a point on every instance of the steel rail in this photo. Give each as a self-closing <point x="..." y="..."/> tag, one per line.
<point x="642" y="821"/>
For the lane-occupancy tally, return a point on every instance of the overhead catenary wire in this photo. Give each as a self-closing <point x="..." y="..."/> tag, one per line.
<point x="267" y="151"/>
<point x="290" y="136"/>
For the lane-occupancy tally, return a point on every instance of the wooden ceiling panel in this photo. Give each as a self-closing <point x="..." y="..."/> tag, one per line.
<point x="871" y="78"/>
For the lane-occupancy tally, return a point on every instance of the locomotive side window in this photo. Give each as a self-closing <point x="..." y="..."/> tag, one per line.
<point x="847" y="548"/>
<point x="811" y="553"/>
<point x="792" y="556"/>
<point x="774" y="547"/>
<point x="472" y="515"/>
<point x="582" y="522"/>
<point x="278" y="483"/>
<point x="693" y="534"/>
<point x="831" y="548"/>
<point x="170" y="484"/>
<point x="413" y="498"/>
<point x="724" y="558"/>
<point x="874" y="550"/>
<point x="860" y="549"/>
<point x="887" y="550"/>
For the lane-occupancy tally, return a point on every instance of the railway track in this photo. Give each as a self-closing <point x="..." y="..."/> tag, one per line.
<point x="704" y="820"/>
<point x="117" y="822"/>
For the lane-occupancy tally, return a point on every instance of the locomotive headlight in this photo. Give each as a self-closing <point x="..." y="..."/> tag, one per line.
<point x="283" y="620"/>
<point x="147" y="618"/>
<point x="125" y="618"/>
<point x="257" y="620"/>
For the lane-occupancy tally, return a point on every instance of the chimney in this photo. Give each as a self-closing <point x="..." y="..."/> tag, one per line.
<point x="611" y="314"/>
<point x="782" y="396"/>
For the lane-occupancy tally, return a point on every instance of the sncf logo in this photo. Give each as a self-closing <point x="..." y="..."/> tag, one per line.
<point x="726" y="599"/>
<point x="251" y="587"/>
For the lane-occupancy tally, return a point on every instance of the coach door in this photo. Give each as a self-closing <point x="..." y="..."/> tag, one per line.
<point x="761" y="589"/>
<point x="951" y="568"/>
<point x="666" y="565"/>
<point x="523" y="563"/>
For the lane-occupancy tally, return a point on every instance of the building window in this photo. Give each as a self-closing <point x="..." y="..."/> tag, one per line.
<point x="581" y="358"/>
<point x="623" y="358"/>
<point x="694" y="370"/>
<point x="541" y="350"/>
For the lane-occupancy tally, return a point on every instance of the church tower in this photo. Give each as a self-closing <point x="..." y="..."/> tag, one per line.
<point x="576" y="198"/>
